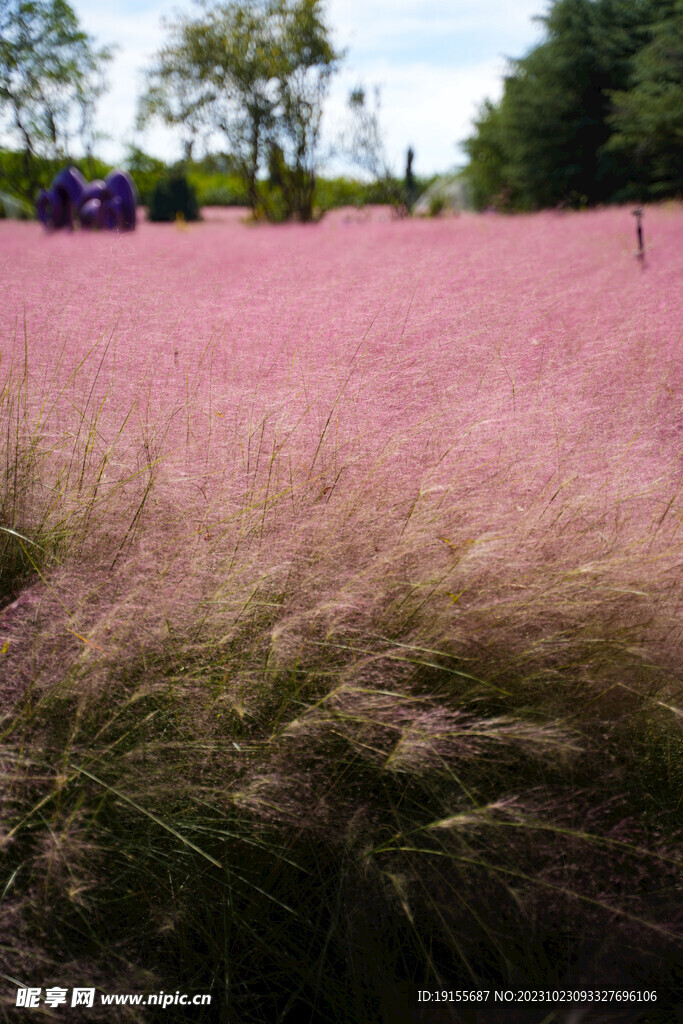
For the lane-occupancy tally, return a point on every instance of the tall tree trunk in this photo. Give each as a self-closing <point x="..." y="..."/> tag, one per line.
<point x="253" y="191"/>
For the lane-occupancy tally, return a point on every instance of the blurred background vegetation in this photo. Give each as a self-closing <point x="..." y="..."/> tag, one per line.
<point x="593" y="114"/>
<point x="213" y="179"/>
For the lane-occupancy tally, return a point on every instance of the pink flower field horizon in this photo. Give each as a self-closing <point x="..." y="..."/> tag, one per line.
<point x="363" y="537"/>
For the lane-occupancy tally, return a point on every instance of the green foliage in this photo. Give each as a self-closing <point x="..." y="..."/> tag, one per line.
<point x="218" y="189"/>
<point x="550" y="140"/>
<point x="437" y="205"/>
<point x="50" y="79"/>
<point x="146" y="171"/>
<point x="173" y="197"/>
<point x="486" y="150"/>
<point x="213" y="178"/>
<point x="217" y="181"/>
<point x="648" y="118"/>
<point x="21" y="174"/>
<point x="257" y="72"/>
<point x="331" y="193"/>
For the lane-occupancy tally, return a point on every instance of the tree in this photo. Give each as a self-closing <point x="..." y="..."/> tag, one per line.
<point x="549" y="114"/>
<point x="409" y="181"/>
<point x="648" y="118"/>
<point x="309" y="61"/>
<point x="50" y="77"/>
<point x="548" y="141"/>
<point x="256" y="71"/>
<point x="485" y="172"/>
<point x="556" y="102"/>
<point x="363" y="144"/>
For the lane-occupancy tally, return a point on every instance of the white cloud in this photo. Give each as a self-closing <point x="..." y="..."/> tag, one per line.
<point x="435" y="62"/>
<point x="369" y="26"/>
<point x="137" y="35"/>
<point x="427" y="107"/>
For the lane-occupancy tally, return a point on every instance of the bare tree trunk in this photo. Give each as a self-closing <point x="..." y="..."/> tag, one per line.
<point x="253" y="170"/>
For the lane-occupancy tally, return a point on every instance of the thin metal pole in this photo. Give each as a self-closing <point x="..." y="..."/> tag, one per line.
<point x="638" y="214"/>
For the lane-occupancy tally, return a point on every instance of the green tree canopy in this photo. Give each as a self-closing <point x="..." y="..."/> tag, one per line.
<point x="256" y="71"/>
<point x="50" y="76"/>
<point x="647" y="119"/>
<point x="549" y="140"/>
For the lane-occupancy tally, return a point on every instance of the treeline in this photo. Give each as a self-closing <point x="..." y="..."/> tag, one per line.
<point x="217" y="180"/>
<point x="593" y="114"/>
<point x="214" y="181"/>
<point x="253" y="74"/>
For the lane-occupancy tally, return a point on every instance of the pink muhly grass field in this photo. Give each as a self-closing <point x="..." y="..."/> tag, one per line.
<point x="397" y="494"/>
<point x="400" y="389"/>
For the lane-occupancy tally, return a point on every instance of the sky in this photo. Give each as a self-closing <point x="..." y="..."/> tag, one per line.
<point x="435" y="61"/>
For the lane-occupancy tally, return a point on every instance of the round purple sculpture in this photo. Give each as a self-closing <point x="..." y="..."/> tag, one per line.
<point x="95" y="190"/>
<point x="56" y="207"/>
<point x="121" y="187"/>
<point x="67" y="189"/>
<point x="90" y="214"/>
<point x="90" y="206"/>
<point x="112" y="215"/>
<point x="101" y="204"/>
<point x="71" y="182"/>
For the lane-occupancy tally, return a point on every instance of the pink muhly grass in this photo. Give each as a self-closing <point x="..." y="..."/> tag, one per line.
<point x="365" y="536"/>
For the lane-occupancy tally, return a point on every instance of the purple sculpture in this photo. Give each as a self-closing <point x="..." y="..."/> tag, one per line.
<point x="101" y="204"/>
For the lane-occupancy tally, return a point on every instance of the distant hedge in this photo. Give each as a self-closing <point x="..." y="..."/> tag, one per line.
<point x="22" y="174"/>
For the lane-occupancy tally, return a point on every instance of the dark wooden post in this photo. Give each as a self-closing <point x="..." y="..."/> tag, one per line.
<point x="638" y="214"/>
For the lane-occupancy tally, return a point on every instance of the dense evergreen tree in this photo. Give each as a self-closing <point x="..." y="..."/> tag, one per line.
<point x="604" y="65"/>
<point x="486" y="150"/>
<point x="647" y="119"/>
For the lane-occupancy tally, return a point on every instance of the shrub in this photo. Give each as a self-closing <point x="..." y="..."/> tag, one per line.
<point x="222" y="195"/>
<point x="172" y="197"/>
<point x="437" y="205"/>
